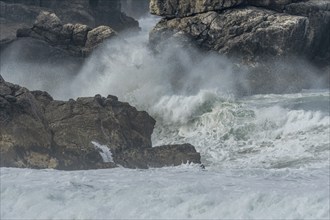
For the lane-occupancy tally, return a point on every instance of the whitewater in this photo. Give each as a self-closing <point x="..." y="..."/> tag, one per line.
<point x="266" y="156"/>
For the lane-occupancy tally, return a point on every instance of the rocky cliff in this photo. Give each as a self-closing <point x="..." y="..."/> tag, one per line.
<point x="95" y="132"/>
<point x="249" y="29"/>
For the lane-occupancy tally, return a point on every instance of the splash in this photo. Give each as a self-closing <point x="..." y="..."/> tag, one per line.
<point x="104" y="152"/>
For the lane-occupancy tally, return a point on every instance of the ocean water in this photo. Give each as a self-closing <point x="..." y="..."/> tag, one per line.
<point x="265" y="156"/>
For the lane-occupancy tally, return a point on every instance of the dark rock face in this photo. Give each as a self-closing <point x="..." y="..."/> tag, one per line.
<point x="79" y="39"/>
<point x="39" y="132"/>
<point x="292" y="27"/>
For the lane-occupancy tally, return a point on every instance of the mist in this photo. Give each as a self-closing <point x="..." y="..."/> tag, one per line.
<point x="128" y="68"/>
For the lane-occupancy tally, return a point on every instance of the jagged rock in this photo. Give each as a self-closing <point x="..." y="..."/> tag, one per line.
<point x="39" y="132"/>
<point x="78" y="39"/>
<point x="248" y="32"/>
<point x="254" y="33"/>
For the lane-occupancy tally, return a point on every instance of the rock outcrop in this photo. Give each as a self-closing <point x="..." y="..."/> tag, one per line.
<point x="276" y="28"/>
<point x="79" y="39"/>
<point x="39" y="132"/>
<point x="17" y="14"/>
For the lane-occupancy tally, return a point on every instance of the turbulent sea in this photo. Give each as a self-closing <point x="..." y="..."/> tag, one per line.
<point x="265" y="156"/>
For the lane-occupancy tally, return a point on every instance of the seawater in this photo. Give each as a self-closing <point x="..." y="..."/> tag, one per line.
<point x="265" y="156"/>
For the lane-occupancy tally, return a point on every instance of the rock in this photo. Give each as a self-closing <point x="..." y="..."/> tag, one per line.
<point x="170" y="155"/>
<point x="253" y="37"/>
<point x="39" y="132"/>
<point x="12" y="18"/>
<point x="318" y="30"/>
<point x="23" y="131"/>
<point x="79" y="35"/>
<point x="78" y="39"/>
<point x="48" y="21"/>
<point x="272" y="4"/>
<point x="174" y="8"/>
<point x="296" y="27"/>
<point x="91" y="13"/>
<point x="247" y="32"/>
<point x="21" y="14"/>
<point x="184" y="8"/>
<point x="98" y="35"/>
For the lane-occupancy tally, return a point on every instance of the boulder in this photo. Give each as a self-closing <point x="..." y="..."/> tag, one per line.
<point x="39" y="132"/>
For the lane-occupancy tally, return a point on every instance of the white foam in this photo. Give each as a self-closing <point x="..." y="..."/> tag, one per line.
<point x="104" y="151"/>
<point x="243" y="133"/>
<point x="168" y="193"/>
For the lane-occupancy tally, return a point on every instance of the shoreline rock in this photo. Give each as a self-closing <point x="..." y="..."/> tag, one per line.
<point x="273" y="29"/>
<point x="39" y="132"/>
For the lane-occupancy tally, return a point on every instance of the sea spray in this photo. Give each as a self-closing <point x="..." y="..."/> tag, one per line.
<point x="266" y="156"/>
<point x="104" y="151"/>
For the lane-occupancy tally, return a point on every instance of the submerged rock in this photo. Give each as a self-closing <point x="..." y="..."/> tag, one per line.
<point x="39" y="132"/>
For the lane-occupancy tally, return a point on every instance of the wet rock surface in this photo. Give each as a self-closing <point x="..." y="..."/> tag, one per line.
<point x="39" y="132"/>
